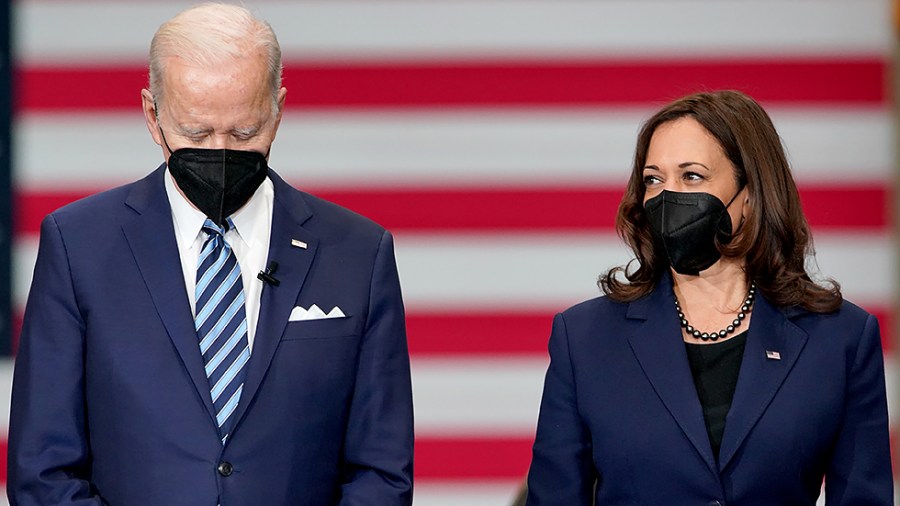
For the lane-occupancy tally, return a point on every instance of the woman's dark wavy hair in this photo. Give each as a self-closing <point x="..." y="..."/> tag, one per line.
<point x="774" y="239"/>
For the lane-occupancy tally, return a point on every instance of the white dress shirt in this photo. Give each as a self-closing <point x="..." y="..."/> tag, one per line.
<point x="249" y="240"/>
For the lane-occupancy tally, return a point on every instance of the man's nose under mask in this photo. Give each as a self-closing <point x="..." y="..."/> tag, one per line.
<point x="217" y="181"/>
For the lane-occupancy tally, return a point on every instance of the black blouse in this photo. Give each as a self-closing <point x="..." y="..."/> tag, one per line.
<point x="715" y="369"/>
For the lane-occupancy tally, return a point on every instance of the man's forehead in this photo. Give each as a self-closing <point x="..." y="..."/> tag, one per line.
<point x="246" y="110"/>
<point x="237" y="78"/>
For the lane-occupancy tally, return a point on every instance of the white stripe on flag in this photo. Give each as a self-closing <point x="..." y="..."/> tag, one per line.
<point x="432" y="148"/>
<point x="471" y="397"/>
<point x="477" y="396"/>
<point x="352" y="29"/>
<point x="468" y="493"/>
<point x="540" y="271"/>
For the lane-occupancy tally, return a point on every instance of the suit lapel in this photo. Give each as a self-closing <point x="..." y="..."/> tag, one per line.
<point x="658" y="346"/>
<point x="151" y="237"/>
<point x="288" y="214"/>
<point x="760" y="377"/>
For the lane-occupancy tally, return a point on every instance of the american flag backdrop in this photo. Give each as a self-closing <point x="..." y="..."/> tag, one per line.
<point x="494" y="138"/>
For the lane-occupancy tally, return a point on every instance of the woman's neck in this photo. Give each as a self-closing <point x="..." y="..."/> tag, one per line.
<point x="723" y="286"/>
<point x="711" y="300"/>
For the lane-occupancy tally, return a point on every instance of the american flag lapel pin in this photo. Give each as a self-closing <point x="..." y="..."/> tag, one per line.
<point x="298" y="244"/>
<point x="773" y="355"/>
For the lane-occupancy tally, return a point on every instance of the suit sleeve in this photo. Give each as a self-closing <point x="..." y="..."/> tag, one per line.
<point x="379" y="441"/>
<point x="49" y="459"/>
<point x="859" y="473"/>
<point x="561" y="469"/>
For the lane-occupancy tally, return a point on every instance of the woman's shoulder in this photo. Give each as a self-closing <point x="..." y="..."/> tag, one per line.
<point x="591" y="308"/>
<point x="847" y="314"/>
<point x="600" y="316"/>
<point x="849" y="324"/>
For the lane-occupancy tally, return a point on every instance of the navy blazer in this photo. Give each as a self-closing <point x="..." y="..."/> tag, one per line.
<point x="110" y="402"/>
<point x="620" y="409"/>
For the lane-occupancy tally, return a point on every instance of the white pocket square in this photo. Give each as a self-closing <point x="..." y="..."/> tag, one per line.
<point x="314" y="312"/>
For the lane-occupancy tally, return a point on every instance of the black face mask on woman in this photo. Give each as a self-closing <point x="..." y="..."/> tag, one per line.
<point x="685" y="227"/>
<point x="217" y="181"/>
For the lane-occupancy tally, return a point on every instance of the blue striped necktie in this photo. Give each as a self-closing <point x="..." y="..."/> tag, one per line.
<point x="221" y="323"/>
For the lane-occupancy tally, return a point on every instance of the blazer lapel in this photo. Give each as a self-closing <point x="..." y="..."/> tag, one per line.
<point x="151" y="237"/>
<point x="771" y="335"/>
<point x="659" y="348"/>
<point x="289" y="212"/>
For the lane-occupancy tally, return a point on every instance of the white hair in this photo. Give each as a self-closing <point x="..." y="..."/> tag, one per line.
<point x="212" y="34"/>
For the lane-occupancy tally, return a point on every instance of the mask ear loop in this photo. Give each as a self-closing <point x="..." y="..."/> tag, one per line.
<point x="163" y="135"/>
<point x="735" y="196"/>
<point x="741" y="224"/>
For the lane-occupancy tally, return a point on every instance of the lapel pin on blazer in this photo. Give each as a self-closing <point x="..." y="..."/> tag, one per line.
<point x="298" y="244"/>
<point x="773" y="355"/>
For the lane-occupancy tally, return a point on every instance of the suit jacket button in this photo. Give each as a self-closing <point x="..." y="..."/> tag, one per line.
<point x="225" y="468"/>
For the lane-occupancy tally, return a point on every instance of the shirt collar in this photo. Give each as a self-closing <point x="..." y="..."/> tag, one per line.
<point x="189" y="220"/>
<point x="252" y="215"/>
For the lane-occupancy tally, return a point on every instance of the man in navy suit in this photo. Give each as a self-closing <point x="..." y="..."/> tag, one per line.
<point x="209" y="335"/>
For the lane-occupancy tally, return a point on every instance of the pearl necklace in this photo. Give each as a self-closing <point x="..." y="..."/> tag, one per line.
<point x="715" y="336"/>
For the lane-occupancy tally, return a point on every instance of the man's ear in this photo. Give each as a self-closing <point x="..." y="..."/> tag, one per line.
<point x="282" y="93"/>
<point x="151" y="115"/>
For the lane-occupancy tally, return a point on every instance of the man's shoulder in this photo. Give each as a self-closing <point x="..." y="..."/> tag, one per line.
<point x="329" y="216"/>
<point x="102" y="205"/>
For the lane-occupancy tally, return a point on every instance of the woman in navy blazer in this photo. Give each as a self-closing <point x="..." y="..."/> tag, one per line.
<point x="714" y="371"/>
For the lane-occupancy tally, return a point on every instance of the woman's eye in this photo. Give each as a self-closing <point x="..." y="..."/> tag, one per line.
<point x="692" y="176"/>
<point x="649" y="180"/>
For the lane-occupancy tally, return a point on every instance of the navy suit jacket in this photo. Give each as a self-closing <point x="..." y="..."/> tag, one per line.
<point x="110" y="402"/>
<point x="620" y="408"/>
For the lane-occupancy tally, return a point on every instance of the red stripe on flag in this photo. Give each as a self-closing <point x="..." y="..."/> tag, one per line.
<point x="4" y="450"/>
<point x="848" y="206"/>
<point x="459" y="458"/>
<point x="498" y="333"/>
<point x="464" y="333"/>
<point x="499" y="83"/>
<point x="507" y="333"/>
<point x="448" y="210"/>
<point x="442" y="458"/>
<point x="483" y="458"/>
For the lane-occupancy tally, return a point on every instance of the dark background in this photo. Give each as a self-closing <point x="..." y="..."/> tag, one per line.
<point x="6" y="101"/>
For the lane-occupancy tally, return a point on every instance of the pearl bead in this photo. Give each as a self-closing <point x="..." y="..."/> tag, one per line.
<point x="722" y="334"/>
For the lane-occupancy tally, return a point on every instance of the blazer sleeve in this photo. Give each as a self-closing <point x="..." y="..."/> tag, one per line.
<point x="859" y="473"/>
<point x="561" y="469"/>
<point x="378" y="451"/>
<point x="49" y="459"/>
